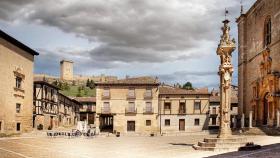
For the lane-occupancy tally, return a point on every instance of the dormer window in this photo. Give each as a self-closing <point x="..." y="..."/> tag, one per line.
<point x="267" y="32"/>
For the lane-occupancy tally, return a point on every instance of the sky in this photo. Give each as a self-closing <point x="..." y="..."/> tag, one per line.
<point x="175" y="40"/>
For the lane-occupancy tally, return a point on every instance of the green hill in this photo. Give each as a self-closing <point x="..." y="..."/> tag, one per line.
<point x="79" y="91"/>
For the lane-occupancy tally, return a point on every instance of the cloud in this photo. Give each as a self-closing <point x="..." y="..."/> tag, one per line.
<point x="198" y="78"/>
<point x="142" y="27"/>
<point x="123" y="32"/>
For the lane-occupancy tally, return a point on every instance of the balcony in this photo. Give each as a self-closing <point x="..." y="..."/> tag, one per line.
<point x="131" y="97"/>
<point x="182" y="111"/>
<point x="166" y="111"/>
<point x="131" y="110"/>
<point x="105" y="110"/>
<point x="148" y="110"/>
<point x="148" y="96"/>
<point x="104" y="97"/>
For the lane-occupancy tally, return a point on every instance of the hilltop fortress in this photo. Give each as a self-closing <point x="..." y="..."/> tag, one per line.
<point x="67" y="75"/>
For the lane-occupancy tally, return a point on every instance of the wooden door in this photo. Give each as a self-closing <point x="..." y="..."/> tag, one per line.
<point x="181" y="124"/>
<point x="130" y="125"/>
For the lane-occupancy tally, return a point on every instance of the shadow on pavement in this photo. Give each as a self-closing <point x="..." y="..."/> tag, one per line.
<point x="271" y="151"/>
<point x="181" y="144"/>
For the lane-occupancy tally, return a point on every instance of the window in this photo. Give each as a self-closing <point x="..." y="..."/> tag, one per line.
<point x="148" y="122"/>
<point x="18" y="106"/>
<point x="131" y="126"/>
<point x="149" y="107"/>
<point x="196" y="122"/>
<point x="182" y="108"/>
<point x="148" y="93"/>
<point x="131" y="107"/>
<point x="197" y="105"/>
<point x="106" y="107"/>
<point x="0" y="126"/>
<point x="214" y="121"/>
<point x="131" y="92"/>
<point x="18" y="82"/>
<point x="167" y="106"/>
<point x="267" y="32"/>
<point x="106" y="92"/>
<point x="214" y="110"/>
<point x="167" y="122"/>
<point x="18" y="126"/>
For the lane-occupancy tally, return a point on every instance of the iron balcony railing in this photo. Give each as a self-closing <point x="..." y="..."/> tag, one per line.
<point x="105" y="110"/>
<point x="182" y="111"/>
<point x="149" y="110"/>
<point x="131" y="110"/>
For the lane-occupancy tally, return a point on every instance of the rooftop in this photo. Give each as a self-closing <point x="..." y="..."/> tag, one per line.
<point x="85" y="99"/>
<point x="180" y="91"/>
<point x="216" y="99"/>
<point x="146" y="80"/>
<point x="20" y="45"/>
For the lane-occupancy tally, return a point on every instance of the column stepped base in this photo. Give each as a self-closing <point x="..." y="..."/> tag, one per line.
<point x="221" y="144"/>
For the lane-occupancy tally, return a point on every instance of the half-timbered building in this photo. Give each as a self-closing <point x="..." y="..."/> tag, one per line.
<point x="52" y="109"/>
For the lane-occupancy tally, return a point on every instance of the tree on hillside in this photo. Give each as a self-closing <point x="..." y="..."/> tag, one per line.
<point x="91" y="84"/>
<point x="188" y="86"/>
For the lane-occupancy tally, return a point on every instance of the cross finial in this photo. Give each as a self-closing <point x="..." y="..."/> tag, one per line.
<point x="241" y="9"/>
<point x="226" y="13"/>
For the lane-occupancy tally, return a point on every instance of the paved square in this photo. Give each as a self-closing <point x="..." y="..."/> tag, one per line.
<point x="107" y="147"/>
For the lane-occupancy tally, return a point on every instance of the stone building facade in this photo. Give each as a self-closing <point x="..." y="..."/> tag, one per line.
<point x="128" y="106"/>
<point x="183" y="110"/>
<point x="16" y="86"/>
<point x="52" y="109"/>
<point x="214" y="108"/>
<point x="87" y="109"/>
<point x="259" y="63"/>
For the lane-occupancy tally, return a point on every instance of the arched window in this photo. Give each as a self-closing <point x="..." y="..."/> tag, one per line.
<point x="267" y="32"/>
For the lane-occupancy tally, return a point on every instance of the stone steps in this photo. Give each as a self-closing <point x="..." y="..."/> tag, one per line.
<point x="262" y="131"/>
<point x="221" y="144"/>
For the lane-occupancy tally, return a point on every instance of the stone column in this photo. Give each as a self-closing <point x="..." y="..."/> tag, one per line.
<point x="250" y="119"/>
<point x="97" y="124"/>
<point x="234" y="122"/>
<point x="224" y="50"/>
<point x="242" y="120"/>
<point x="278" y="119"/>
<point x="87" y="119"/>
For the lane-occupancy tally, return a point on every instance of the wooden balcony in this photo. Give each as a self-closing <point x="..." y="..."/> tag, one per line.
<point x="148" y="110"/>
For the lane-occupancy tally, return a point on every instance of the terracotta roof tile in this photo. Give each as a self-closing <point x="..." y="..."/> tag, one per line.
<point x="173" y="90"/>
<point x="132" y="81"/>
<point x="85" y="99"/>
<point x="216" y="99"/>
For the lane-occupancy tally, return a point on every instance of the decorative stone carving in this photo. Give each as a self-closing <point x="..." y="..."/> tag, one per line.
<point x="224" y="50"/>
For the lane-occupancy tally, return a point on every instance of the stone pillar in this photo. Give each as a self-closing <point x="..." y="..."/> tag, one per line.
<point x="87" y="119"/>
<point x="242" y="120"/>
<point x="278" y="119"/>
<point x="234" y="122"/>
<point x="224" y="50"/>
<point x="250" y="119"/>
<point x="97" y="124"/>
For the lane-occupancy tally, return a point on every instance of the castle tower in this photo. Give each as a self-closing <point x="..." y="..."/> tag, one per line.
<point x="66" y="70"/>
